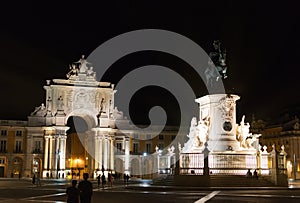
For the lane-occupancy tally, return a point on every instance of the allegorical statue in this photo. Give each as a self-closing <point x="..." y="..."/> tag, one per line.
<point x="81" y="67"/>
<point x="216" y="68"/>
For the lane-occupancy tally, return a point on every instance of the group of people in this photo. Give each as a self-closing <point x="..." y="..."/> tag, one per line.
<point x="126" y="178"/>
<point x="249" y="174"/>
<point x="102" y="178"/>
<point x="83" y="192"/>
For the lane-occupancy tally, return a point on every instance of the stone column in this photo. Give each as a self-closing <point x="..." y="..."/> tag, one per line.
<point x="112" y="164"/>
<point x="62" y="155"/>
<point x="51" y="154"/>
<point x="100" y="152"/>
<point x="96" y="141"/>
<point x="46" y="152"/>
<point x="57" y="153"/>
<point x="127" y="148"/>
<point x="105" y="158"/>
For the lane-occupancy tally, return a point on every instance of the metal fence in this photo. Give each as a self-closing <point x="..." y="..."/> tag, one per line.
<point x="219" y="164"/>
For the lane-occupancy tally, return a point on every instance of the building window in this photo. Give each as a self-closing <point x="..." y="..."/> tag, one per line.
<point x="18" y="146"/>
<point x="17" y="161"/>
<point x="148" y="137"/>
<point x="161" y="137"/>
<point x="135" y="136"/>
<point x="148" y="147"/>
<point x="135" y="148"/>
<point x="37" y="147"/>
<point x="19" y="133"/>
<point x="119" y="147"/>
<point x="3" y="132"/>
<point x="3" y="146"/>
<point x="2" y="160"/>
<point x="173" y="137"/>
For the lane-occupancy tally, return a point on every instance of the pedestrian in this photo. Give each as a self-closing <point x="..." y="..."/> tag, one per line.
<point x="98" y="180"/>
<point x="33" y="179"/>
<point x="103" y="180"/>
<point x="38" y="180"/>
<point x="127" y="178"/>
<point x="255" y="175"/>
<point x="86" y="189"/>
<point x="110" y="179"/>
<point x="73" y="193"/>
<point x="249" y="174"/>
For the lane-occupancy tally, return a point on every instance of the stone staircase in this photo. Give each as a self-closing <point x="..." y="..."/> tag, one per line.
<point x="238" y="181"/>
<point x="219" y="181"/>
<point x="167" y="180"/>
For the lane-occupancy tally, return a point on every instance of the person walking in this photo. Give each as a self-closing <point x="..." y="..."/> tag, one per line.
<point x="86" y="189"/>
<point x="110" y="179"/>
<point x="103" y="179"/>
<point x="73" y="193"/>
<point x="98" y="180"/>
<point x="33" y="179"/>
<point x="255" y="175"/>
<point x="38" y="180"/>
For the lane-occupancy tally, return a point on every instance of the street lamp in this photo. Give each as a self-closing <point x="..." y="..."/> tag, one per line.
<point x="143" y="164"/>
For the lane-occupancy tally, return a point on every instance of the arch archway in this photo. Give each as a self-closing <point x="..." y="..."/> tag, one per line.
<point x="17" y="167"/>
<point x="76" y="154"/>
<point x="36" y="165"/>
<point x="135" y="169"/>
<point x="119" y="165"/>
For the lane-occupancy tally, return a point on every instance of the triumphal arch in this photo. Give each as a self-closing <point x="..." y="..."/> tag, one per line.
<point x="79" y="95"/>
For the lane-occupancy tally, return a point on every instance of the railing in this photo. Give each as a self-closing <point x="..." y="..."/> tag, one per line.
<point x="36" y="151"/>
<point x="18" y="151"/>
<point x="219" y="164"/>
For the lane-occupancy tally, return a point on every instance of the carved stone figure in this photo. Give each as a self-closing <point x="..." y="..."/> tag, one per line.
<point x="39" y="111"/>
<point x="227" y="106"/>
<point x="73" y="71"/>
<point x="60" y="103"/>
<point x="91" y="72"/>
<point x="83" y="65"/>
<point x="243" y="134"/>
<point x="203" y="127"/>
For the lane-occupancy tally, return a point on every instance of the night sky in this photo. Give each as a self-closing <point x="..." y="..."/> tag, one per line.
<point x="38" y="41"/>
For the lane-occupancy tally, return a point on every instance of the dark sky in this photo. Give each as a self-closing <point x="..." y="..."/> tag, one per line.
<point x="39" y="40"/>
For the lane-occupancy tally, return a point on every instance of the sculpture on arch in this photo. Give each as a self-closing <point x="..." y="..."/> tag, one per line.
<point x="81" y="67"/>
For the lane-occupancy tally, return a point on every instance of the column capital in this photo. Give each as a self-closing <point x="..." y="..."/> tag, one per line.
<point x="61" y="130"/>
<point x="62" y="137"/>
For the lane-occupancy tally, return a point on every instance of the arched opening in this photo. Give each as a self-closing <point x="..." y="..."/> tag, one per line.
<point x="148" y="169"/>
<point x="36" y="165"/>
<point x="76" y="154"/>
<point x="3" y="166"/>
<point x="17" y="167"/>
<point x="135" y="167"/>
<point x="119" y="166"/>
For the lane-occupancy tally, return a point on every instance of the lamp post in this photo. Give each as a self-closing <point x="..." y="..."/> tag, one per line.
<point x="144" y="165"/>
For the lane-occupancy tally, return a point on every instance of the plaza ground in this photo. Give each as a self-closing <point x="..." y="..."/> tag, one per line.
<point x="14" y="190"/>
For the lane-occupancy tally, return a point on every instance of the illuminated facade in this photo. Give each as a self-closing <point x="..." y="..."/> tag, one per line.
<point x="12" y="147"/>
<point x="43" y="145"/>
<point x="287" y="134"/>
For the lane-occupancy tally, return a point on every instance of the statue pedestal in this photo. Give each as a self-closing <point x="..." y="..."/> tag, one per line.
<point x="220" y="111"/>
